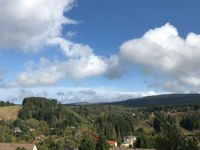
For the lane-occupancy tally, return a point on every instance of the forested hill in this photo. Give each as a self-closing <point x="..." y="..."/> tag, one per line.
<point x="49" y="110"/>
<point x="159" y="100"/>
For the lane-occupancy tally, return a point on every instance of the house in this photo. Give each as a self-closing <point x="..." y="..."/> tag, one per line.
<point x="13" y="146"/>
<point x="31" y="129"/>
<point x="17" y="130"/>
<point x="39" y="138"/>
<point x="128" y="141"/>
<point x="112" y="143"/>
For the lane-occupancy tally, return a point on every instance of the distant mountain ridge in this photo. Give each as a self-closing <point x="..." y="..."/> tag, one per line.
<point x="78" y="104"/>
<point x="159" y="100"/>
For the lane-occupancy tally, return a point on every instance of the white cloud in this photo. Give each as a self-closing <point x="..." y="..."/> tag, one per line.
<point x="84" y="67"/>
<point x="116" y="67"/>
<point x="28" y="24"/>
<point x="71" y="49"/>
<point x="48" y="72"/>
<point x="164" y="52"/>
<point x="171" y="61"/>
<point x="31" y="25"/>
<point x="71" y="34"/>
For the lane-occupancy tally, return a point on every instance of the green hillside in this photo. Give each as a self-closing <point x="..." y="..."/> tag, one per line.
<point x="53" y="125"/>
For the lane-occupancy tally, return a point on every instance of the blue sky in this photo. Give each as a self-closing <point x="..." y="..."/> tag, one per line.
<point x="98" y="50"/>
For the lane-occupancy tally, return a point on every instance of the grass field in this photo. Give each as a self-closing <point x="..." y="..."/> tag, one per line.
<point x="145" y="125"/>
<point x="9" y="112"/>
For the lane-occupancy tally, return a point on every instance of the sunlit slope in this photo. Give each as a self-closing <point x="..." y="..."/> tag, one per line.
<point x="9" y="112"/>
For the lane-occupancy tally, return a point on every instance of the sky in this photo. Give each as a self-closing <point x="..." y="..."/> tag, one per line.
<point x="98" y="50"/>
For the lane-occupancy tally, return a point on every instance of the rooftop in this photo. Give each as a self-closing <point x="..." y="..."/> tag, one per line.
<point x="13" y="146"/>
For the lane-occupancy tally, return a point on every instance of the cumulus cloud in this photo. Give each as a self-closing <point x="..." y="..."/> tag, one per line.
<point x="48" y="72"/>
<point x="28" y="25"/>
<point x="32" y="25"/>
<point x="116" y="67"/>
<point x="162" y="51"/>
<point x="71" y="49"/>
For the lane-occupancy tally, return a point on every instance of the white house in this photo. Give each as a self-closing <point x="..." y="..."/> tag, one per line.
<point x="17" y="130"/>
<point x="128" y="141"/>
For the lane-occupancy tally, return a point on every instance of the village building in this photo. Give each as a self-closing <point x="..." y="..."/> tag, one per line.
<point x="13" y="146"/>
<point x="17" y="130"/>
<point x="39" y="138"/>
<point x="112" y="143"/>
<point x="31" y="129"/>
<point x="128" y="141"/>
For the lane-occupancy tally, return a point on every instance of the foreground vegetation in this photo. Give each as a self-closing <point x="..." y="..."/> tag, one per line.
<point x="52" y="125"/>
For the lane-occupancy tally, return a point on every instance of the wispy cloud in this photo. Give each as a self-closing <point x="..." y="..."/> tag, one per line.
<point x="73" y="94"/>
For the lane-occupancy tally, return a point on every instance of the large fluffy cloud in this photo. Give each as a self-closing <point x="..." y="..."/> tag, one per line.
<point x="34" y="25"/>
<point x="28" y="25"/>
<point x="49" y="72"/>
<point x="162" y="51"/>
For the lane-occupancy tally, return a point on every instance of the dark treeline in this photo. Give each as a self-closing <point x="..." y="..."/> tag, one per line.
<point x="3" y="103"/>
<point x="172" y="108"/>
<point x="191" y="121"/>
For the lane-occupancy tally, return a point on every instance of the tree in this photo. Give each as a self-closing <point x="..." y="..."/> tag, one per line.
<point x="142" y="141"/>
<point x="191" y="144"/>
<point x="87" y="144"/>
<point x="156" y="124"/>
<point x="190" y="123"/>
<point x="50" y="111"/>
<point x="169" y="138"/>
<point x="102" y="143"/>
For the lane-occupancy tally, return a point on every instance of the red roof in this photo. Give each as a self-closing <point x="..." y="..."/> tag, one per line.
<point x="111" y="142"/>
<point x="13" y="146"/>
